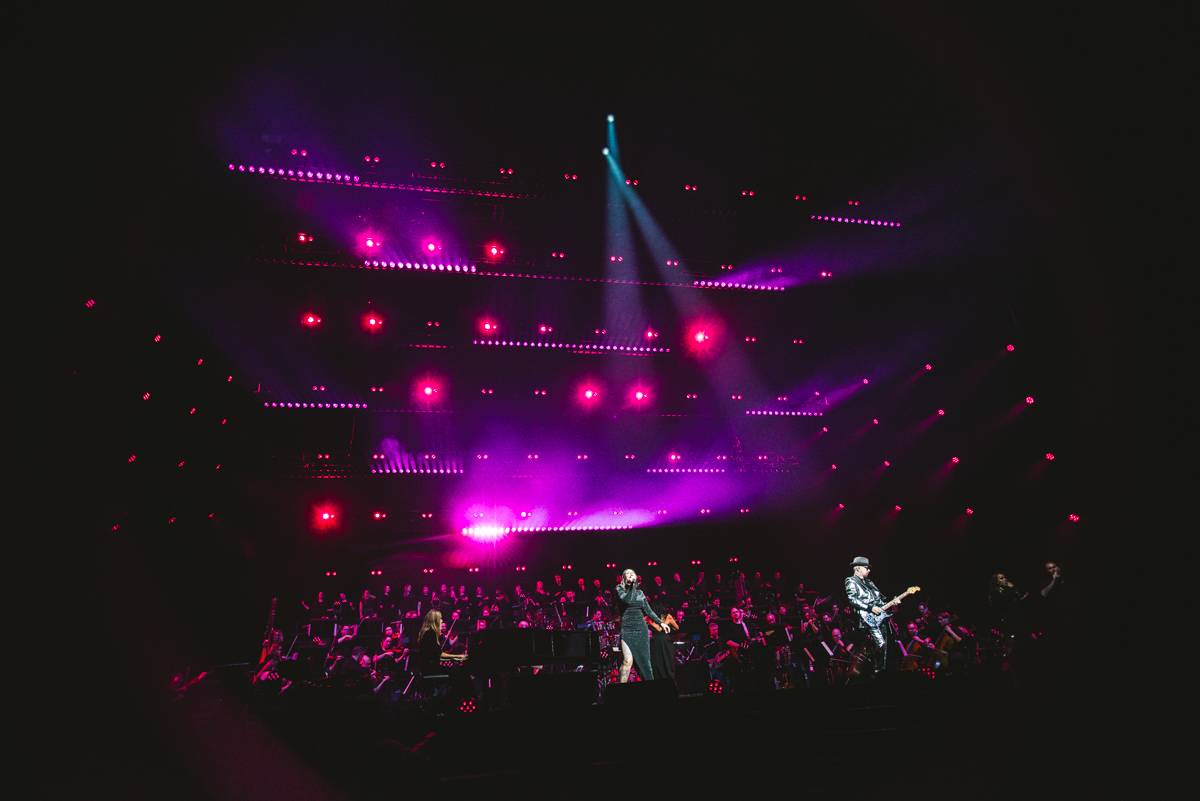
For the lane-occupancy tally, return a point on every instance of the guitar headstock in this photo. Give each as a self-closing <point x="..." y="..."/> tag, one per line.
<point x="912" y="590"/>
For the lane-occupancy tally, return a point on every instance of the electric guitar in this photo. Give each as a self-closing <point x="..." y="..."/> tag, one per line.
<point x="874" y="620"/>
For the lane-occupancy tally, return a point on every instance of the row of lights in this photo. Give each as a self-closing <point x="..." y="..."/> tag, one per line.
<point x="337" y="178"/>
<point x="472" y="270"/>
<point x="293" y="405"/>
<point x="590" y="346"/>
<point x="854" y="220"/>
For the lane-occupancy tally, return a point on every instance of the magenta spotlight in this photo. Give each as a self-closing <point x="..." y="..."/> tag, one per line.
<point x="1029" y="400"/>
<point x="928" y="367"/>
<point x="1074" y="518"/>
<point x="310" y="320"/>
<point x="651" y="333"/>
<point x="954" y="460"/>
<point x="1010" y="348"/>
<point x="941" y="412"/>
<point x="969" y="511"/>
<point x="372" y="321"/>
<point x="1049" y="456"/>
<point x="493" y="250"/>
<point x="545" y="329"/>
<point x="372" y="242"/>
<point x="897" y="507"/>
<point x="489" y="327"/>
<point x="427" y="390"/>
<point x="589" y="394"/>
<point x="305" y="239"/>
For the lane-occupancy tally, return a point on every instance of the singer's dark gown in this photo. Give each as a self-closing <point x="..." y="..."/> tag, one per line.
<point x="662" y="655"/>
<point x="634" y="609"/>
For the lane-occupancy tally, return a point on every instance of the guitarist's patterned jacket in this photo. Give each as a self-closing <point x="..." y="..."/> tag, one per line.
<point x="863" y="594"/>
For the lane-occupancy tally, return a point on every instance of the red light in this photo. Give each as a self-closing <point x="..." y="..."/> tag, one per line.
<point x="1049" y="457"/>
<point x="303" y="237"/>
<point x="310" y="320"/>
<point x="1029" y="400"/>
<point x="928" y="367"/>
<point x="373" y="322"/>
<point x="896" y="507"/>
<point x="1010" y="348"/>
<point x="639" y="395"/>
<point x="886" y="463"/>
<point x="145" y="396"/>
<point x="841" y="506"/>
<point x="488" y="326"/>
<point x="1074" y="518"/>
<point x="493" y="250"/>
<point x="371" y="242"/>
<point x="700" y="336"/>
<point x="954" y="460"/>
<point x="969" y="511"/>
<point x="941" y="412"/>
<point x="589" y="394"/>
<point x="428" y="391"/>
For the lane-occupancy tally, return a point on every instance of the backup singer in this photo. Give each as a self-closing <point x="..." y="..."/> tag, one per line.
<point x="635" y="640"/>
<point x="865" y="597"/>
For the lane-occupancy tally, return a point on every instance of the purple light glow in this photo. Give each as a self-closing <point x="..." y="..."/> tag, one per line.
<point x="294" y="405"/>
<point x="776" y="413"/>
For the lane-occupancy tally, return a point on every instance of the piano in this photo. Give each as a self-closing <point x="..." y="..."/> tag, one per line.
<point x="496" y="651"/>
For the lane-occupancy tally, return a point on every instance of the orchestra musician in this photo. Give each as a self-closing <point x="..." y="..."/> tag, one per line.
<point x="662" y="645"/>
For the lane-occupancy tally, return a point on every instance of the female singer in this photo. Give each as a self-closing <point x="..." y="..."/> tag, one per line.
<point x="662" y="646"/>
<point x="635" y="640"/>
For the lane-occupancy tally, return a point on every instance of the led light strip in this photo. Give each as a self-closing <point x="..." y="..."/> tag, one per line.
<point x="774" y="413"/>
<point x="492" y="531"/>
<point x="685" y="470"/>
<point x="853" y="220"/>
<point x="735" y="285"/>
<point x="471" y="269"/>
<point x="314" y="405"/>
<point x="346" y="179"/>
<point x="391" y="471"/>
<point x="509" y="343"/>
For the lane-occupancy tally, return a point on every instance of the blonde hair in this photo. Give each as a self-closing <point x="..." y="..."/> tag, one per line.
<point x="432" y="622"/>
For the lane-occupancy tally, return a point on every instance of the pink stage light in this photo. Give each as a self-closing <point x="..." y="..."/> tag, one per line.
<point x="897" y="507"/>
<point x="372" y="242"/>
<point x="941" y="412"/>
<point x="305" y="239"/>
<point x="489" y="327"/>
<point x="1074" y="518"/>
<point x="1049" y="457"/>
<point x="854" y="220"/>
<point x="493" y="250"/>
<point x="373" y="321"/>
<point x="928" y="367"/>
<point x="380" y="515"/>
<point x="1010" y="348"/>
<point x="954" y="460"/>
<point x="545" y="329"/>
<point x="969" y="511"/>
<point x="589" y="394"/>
<point x="310" y="320"/>
<point x="1029" y="400"/>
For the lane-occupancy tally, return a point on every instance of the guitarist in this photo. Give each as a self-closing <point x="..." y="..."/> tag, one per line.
<point x="866" y="597"/>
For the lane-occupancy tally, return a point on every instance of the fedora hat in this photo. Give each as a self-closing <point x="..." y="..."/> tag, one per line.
<point x="860" y="561"/>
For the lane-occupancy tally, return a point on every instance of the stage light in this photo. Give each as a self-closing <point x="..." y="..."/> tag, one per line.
<point x="589" y="394"/>
<point x="841" y="506"/>
<point x="1010" y="348"/>
<point x="1074" y="518"/>
<point x="941" y="412"/>
<point x="545" y="329"/>
<point x="854" y="220"/>
<point x="897" y="507"/>
<point x="954" y="460"/>
<point x="489" y="327"/>
<point x="380" y="515"/>
<point x="866" y="381"/>
<point x="145" y="396"/>
<point x="969" y="511"/>
<point x="428" y="391"/>
<point x="1049" y="457"/>
<point x="886" y="463"/>
<point x="700" y="336"/>
<point x="493" y="250"/>
<point x="310" y="320"/>
<point x="305" y="239"/>
<point x="1029" y="400"/>
<point x="833" y="467"/>
<point x="372" y="242"/>
<point x="372" y="321"/>
<point x="674" y="457"/>
<point x="874" y="421"/>
<point x="90" y="303"/>
<point x="651" y="333"/>
<point x="604" y="151"/>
